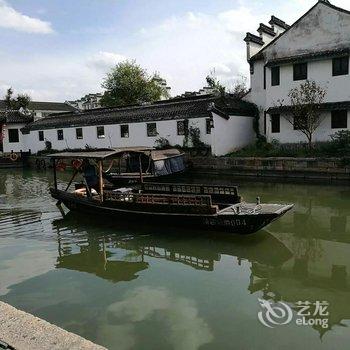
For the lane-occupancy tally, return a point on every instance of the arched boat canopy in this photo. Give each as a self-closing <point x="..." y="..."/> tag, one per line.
<point x="154" y="154"/>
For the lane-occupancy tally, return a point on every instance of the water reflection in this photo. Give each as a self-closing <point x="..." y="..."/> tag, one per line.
<point x="116" y="283"/>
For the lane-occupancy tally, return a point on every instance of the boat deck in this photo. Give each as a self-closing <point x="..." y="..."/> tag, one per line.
<point x="253" y="208"/>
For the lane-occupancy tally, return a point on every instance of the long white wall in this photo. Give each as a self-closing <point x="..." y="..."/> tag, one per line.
<point x="226" y="136"/>
<point x="137" y="136"/>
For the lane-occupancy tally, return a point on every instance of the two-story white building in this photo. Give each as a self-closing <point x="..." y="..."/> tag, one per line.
<point x="316" y="47"/>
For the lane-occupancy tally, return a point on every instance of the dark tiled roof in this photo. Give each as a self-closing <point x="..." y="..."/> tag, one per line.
<point x="263" y="28"/>
<point x="253" y="38"/>
<point x="15" y="117"/>
<point x="326" y="106"/>
<point x="44" y="106"/>
<point x="279" y="22"/>
<point x="162" y="110"/>
<point x="309" y="55"/>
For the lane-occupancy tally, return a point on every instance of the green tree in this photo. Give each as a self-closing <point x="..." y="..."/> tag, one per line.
<point x="214" y="83"/>
<point x="21" y="101"/>
<point x="128" y="83"/>
<point x="306" y="115"/>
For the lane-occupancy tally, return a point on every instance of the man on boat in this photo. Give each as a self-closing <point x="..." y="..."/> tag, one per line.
<point x="91" y="179"/>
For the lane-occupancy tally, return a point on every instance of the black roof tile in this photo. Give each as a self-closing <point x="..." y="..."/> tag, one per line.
<point x="163" y="110"/>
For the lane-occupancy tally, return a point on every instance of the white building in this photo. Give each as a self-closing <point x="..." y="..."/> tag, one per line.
<point x="223" y="125"/>
<point x="316" y="47"/>
<point x="12" y="121"/>
<point x="89" y="101"/>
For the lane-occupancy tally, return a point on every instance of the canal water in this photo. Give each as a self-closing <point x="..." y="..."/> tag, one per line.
<point x="127" y="286"/>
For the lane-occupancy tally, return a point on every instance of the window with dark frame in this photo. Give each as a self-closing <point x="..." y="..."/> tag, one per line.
<point x="124" y="131"/>
<point x="79" y="133"/>
<point x="152" y="129"/>
<point x="60" y="135"/>
<point x="100" y="132"/>
<point x="339" y="119"/>
<point x="275" y="76"/>
<point x="13" y="135"/>
<point x="275" y="123"/>
<point x="300" y="71"/>
<point x="208" y="126"/>
<point x="181" y="127"/>
<point x="41" y="135"/>
<point x="340" y="66"/>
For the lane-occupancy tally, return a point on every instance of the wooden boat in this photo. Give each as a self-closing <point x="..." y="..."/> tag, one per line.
<point x="218" y="208"/>
<point x="127" y="164"/>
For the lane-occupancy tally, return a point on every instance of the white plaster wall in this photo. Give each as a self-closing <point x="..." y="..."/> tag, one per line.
<point x="232" y="134"/>
<point x="137" y="136"/>
<point x="337" y="88"/>
<point x="17" y="146"/>
<point x="257" y="94"/>
<point x="287" y="133"/>
<point x="324" y="28"/>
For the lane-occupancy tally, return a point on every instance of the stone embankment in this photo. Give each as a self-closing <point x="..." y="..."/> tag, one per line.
<point x="22" y="331"/>
<point x="323" y="169"/>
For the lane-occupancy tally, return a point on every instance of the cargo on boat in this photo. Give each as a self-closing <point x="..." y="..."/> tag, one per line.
<point x="218" y="208"/>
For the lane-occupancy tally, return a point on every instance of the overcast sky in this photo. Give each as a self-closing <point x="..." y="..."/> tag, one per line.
<point x="61" y="49"/>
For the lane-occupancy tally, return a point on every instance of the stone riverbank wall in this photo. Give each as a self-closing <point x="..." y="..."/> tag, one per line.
<point x="323" y="169"/>
<point x="22" y="331"/>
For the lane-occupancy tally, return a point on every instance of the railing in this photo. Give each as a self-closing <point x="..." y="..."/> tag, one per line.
<point x="162" y="199"/>
<point x="189" y="188"/>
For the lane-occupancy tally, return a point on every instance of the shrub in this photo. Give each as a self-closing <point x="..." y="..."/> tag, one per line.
<point x="162" y="143"/>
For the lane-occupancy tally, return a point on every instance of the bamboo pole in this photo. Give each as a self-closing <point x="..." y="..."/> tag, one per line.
<point x="100" y="165"/>
<point x="140" y="165"/>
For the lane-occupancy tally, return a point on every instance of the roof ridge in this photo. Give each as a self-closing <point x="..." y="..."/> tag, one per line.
<point x="292" y="25"/>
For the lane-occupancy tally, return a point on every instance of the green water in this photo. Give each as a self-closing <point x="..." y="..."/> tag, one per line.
<point x="127" y="286"/>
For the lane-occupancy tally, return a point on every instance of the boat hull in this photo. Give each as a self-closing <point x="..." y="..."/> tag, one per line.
<point x="234" y="224"/>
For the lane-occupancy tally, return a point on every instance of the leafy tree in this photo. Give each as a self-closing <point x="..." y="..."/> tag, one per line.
<point x="239" y="88"/>
<point x="128" y="83"/>
<point x="21" y="101"/>
<point x="306" y="115"/>
<point x="214" y="83"/>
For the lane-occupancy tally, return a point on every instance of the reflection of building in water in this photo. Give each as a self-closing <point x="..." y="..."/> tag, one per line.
<point x="94" y="258"/>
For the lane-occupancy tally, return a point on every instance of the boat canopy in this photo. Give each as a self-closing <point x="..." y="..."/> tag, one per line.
<point x="154" y="154"/>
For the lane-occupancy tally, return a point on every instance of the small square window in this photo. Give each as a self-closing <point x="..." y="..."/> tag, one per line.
<point x="208" y="126"/>
<point x="275" y="123"/>
<point x="152" y="129"/>
<point x="13" y="135"/>
<point x="300" y="71"/>
<point x="340" y="66"/>
<point x="100" y="132"/>
<point x="124" y="131"/>
<point x="79" y="133"/>
<point x="41" y="135"/>
<point x="339" y="119"/>
<point x="275" y="76"/>
<point x="60" y="135"/>
<point x="181" y="127"/>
